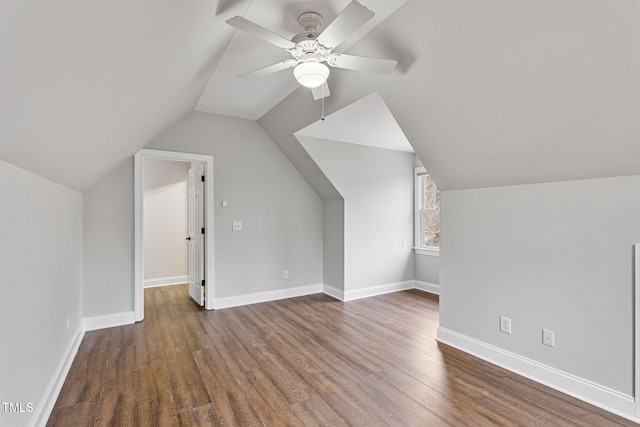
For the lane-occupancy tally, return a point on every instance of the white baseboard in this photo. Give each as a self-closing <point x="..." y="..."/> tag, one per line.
<point x="432" y="288"/>
<point x="43" y="409"/>
<point x="108" y="321"/>
<point x="378" y="290"/>
<point x="236" y="301"/>
<point x="228" y="302"/>
<point x="595" y="394"/>
<point x="333" y="292"/>
<point x="165" y="281"/>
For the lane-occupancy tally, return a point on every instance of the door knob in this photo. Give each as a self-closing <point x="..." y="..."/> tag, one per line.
<point x="188" y="238"/>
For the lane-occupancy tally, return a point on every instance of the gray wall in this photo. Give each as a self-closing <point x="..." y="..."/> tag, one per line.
<point x="41" y="265"/>
<point x="333" y="243"/>
<point x="282" y="216"/>
<point x="165" y="218"/>
<point x="377" y="186"/>
<point x="108" y="243"/>
<point x="427" y="268"/>
<point x="556" y="256"/>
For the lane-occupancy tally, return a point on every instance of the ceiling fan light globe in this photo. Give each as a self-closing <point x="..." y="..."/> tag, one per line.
<point x="311" y="74"/>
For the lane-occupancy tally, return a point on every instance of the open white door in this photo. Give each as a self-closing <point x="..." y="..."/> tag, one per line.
<point x="196" y="233"/>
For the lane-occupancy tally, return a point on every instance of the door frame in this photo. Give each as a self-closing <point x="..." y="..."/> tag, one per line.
<point x="636" y="327"/>
<point x="138" y="195"/>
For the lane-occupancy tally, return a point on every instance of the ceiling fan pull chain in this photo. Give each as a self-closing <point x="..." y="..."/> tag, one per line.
<point x="322" y="100"/>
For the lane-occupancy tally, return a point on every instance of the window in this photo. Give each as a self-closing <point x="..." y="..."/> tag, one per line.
<point x="427" y="215"/>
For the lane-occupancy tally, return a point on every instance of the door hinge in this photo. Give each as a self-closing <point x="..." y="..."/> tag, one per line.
<point x="202" y="178"/>
<point x="202" y="230"/>
<point x="202" y="282"/>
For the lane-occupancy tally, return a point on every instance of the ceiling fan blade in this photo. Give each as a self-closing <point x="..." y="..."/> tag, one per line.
<point x="321" y="91"/>
<point x="362" y="63"/>
<point x="354" y="16"/>
<point x="257" y="31"/>
<point x="271" y="69"/>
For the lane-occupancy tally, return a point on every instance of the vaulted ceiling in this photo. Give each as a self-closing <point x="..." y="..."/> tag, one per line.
<point x="488" y="92"/>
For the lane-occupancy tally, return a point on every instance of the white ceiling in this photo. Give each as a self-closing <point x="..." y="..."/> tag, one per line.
<point x="498" y="93"/>
<point x="86" y="83"/>
<point x="487" y="92"/>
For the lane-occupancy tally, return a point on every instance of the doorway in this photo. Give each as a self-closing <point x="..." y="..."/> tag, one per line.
<point x="207" y="266"/>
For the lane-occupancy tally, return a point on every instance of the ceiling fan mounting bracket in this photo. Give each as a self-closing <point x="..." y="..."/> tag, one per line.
<point x="311" y="22"/>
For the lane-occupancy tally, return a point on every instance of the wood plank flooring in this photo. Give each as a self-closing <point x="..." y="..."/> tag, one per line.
<point x="303" y="361"/>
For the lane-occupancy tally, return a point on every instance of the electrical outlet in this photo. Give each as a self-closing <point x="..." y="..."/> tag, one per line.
<point x="285" y="274"/>
<point x="548" y="337"/>
<point x="505" y="324"/>
<point x="236" y="225"/>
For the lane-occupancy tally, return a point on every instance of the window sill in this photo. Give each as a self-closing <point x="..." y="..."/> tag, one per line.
<point x="432" y="251"/>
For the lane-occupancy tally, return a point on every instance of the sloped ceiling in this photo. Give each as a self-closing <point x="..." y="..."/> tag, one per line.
<point x="488" y="93"/>
<point x="84" y="84"/>
<point x="493" y="93"/>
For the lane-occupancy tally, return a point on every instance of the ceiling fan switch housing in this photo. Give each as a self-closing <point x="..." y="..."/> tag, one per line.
<point x="302" y="37"/>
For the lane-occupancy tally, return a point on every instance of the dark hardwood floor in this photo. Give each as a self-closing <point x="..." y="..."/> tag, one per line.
<point x="303" y="361"/>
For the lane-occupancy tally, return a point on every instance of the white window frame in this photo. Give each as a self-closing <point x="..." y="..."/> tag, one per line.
<point x="418" y="229"/>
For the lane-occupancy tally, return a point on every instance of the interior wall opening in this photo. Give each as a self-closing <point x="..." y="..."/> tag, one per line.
<point x="174" y="230"/>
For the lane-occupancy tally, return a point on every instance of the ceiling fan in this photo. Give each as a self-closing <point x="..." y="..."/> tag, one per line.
<point x="311" y="49"/>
